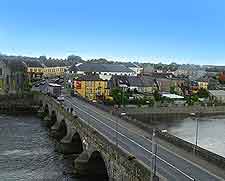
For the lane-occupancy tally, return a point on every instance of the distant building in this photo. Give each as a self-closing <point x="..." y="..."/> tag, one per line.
<point x="91" y="87"/>
<point x="141" y="84"/>
<point x="203" y="83"/>
<point x="217" y="96"/>
<point x="148" y="69"/>
<point x="13" y="76"/>
<point x="105" y="71"/>
<point x="54" y="71"/>
<point x="136" y="68"/>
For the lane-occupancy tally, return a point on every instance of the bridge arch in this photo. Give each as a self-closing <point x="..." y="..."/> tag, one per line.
<point x="41" y="103"/>
<point x="53" y="119"/>
<point x="61" y="131"/>
<point x="46" y="109"/>
<point x="97" y="166"/>
<point x="76" y="143"/>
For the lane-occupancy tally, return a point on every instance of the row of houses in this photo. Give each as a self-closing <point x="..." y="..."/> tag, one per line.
<point x="36" y="69"/>
<point x="96" y="80"/>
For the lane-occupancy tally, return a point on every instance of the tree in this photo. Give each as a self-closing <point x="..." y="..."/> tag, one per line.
<point x="203" y="93"/>
<point x="157" y="95"/>
<point x="42" y="58"/>
<point x="119" y="96"/>
<point x="116" y="94"/>
<point x="172" y="89"/>
<point x="74" y="58"/>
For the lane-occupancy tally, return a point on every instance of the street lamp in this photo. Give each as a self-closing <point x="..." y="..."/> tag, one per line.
<point x="194" y="115"/>
<point x="121" y="114"/>
<point x="154" y="151"/>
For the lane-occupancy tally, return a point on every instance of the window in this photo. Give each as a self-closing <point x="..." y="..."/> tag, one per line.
<point x="0" y="71"/>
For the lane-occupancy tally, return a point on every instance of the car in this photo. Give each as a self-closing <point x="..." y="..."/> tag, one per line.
<point x="61" y="98"/>
<point x="37" y="85"/>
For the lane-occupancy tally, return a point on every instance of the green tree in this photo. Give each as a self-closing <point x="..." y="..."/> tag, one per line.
<point x="203" y="93"/>
<point x="157" y="95"/>
<point x="172" y="89"/>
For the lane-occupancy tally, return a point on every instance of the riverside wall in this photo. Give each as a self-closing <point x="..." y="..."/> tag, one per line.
<point x="145" y="118"/>
<point x="10" y="104"/>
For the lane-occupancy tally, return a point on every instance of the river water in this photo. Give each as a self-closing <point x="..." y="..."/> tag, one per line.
<point x="211" y="135"/>
<point x="28" y="153"/>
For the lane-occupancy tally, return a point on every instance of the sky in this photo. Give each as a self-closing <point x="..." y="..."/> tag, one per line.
<point x="182" y="31"/>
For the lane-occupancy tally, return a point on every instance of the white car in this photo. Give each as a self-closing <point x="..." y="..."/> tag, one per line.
<point x="60" y="98"/>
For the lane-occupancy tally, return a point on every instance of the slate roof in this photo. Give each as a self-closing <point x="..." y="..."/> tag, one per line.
<point x="130" y="64"/>
<point x="95" y="67"/>
<point x="217" y="92"/>
<point x="88" y="78"/>
<point x="134" y="81"/>
<point x="33" y="63"/>
<point x="73" y="68"/>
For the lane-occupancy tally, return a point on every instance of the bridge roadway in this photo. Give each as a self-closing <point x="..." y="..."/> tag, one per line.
<point x="169" y="165"/>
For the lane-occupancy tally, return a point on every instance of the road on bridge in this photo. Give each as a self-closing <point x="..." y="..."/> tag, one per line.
<point x="169" y="165"/>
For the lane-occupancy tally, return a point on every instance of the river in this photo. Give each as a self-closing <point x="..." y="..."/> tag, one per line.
<point x="211" y="134"/>
<point x="28" y="153"/>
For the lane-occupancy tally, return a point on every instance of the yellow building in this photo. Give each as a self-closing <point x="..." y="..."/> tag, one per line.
<point x="34" y="69"/>
<point x="54" y="71"/>
<point x="203" y="85"/>
<point x="91" y="87"/>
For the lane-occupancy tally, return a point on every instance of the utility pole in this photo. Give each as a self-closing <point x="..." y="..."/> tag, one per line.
<point x="196" y="131"/>
<point x="154" y="177"/>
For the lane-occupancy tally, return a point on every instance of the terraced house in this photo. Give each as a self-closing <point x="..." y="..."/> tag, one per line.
<point x="54" y="71"/>
<point x="91" y="87"/>
<point x="34" y="69"/>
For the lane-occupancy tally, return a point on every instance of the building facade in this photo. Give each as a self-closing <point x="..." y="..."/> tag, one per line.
<point x="34" y="69"/>
<point x="91" y="87"/>
<point x="53" y="71"/>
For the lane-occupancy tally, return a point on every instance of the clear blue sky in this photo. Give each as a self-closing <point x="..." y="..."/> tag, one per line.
<point x="187" y="31"/>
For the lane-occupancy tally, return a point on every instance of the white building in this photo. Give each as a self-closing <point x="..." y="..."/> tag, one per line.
<point x="217" y="95"/>
<point x="105" y="71"/>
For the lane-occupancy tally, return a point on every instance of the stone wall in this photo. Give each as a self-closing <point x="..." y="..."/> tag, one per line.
<point x="120" y="164"/>
<point x="18" y="103"/>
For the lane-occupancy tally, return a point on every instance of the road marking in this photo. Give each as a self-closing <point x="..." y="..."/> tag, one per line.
<point x="179" y="156"/>
<point x="134" y="142"/>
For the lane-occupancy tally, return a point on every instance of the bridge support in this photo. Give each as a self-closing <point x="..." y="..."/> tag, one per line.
<point x="71" y="147"/>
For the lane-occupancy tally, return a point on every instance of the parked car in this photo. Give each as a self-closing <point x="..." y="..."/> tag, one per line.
<point x="61" y="98"/>
<point x="37" y="85"/>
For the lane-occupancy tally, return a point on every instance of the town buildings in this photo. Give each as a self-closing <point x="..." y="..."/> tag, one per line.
<point x="105" y="71"/>
<point x="217" y="96"/>
<point x="34" y="69"/>
<point x="53" y="71"/>
<point x="91" y="87"/>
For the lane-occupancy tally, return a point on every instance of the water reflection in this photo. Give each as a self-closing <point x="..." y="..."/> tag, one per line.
<point x="211" y="132"/>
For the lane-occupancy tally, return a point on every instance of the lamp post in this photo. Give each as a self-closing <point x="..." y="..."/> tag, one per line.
<point x="121" y="114"/>
<point x="194" y="115"/>
<point x="154" y="151"/>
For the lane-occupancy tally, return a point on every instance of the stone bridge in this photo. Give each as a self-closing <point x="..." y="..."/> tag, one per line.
<point x="96" y="154"/>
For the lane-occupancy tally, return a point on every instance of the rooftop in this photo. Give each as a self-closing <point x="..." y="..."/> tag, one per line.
<point x="89" y="78"/>
<point x="33" y="63"/>
<point x="217" y="92"/>
<point x="95" y="67"/>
